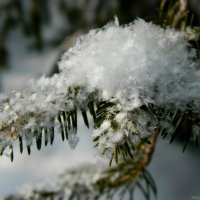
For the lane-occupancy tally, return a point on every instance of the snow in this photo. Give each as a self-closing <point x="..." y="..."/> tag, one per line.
<point x="135" y="65"/>
<point x="133" y="61"/>
<point x="66" y="185"/>
<point x="104" y="126"/>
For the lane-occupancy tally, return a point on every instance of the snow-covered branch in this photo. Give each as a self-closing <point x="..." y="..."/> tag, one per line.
<point x="138" y="77"/>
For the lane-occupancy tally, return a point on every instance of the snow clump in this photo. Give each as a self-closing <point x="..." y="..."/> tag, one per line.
<point x="136" y="64"/>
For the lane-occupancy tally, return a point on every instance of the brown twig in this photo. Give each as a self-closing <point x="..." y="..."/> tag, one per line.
<point x="181" y="13"/>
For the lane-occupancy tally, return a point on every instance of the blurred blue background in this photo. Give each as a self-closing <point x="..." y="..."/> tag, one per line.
<point x="33" y="35"/>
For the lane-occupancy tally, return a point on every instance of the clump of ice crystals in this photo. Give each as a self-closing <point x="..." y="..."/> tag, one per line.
<point x="136" y="64"/>
<point x="140" y="62"/>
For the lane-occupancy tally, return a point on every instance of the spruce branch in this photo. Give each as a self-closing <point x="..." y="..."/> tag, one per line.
<point x="92" y="182"/>
<point x="136" y="81"/>
<point x="181" y="13"/>
<point x="123" y="117"/>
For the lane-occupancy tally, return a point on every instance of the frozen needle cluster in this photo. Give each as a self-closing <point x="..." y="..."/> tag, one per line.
<point x="133" y="65"/>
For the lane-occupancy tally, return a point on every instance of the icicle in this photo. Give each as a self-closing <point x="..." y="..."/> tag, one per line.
<point x="73" y="139"/>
